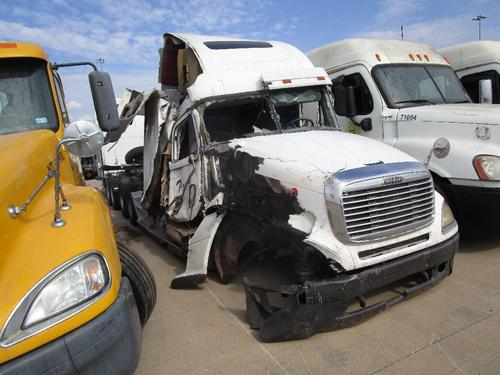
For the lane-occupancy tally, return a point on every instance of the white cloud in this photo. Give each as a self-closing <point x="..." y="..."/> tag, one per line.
<point x="438" y="33"/>
<point x="391" y="9"/>
<point x="128" y="33"/>
<point x="73" y="104"/>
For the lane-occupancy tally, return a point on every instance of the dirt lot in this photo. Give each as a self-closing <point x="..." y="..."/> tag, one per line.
<point x="451" y="329"/>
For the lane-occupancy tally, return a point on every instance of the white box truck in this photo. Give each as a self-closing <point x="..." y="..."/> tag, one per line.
<point x="244" y="157"/>
<point x="406" y="95"/>
<point x="477" y="64"/>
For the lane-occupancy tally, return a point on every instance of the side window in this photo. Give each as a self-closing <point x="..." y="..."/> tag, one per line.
<point x="185" y="138"/>
<point x="471" y="85"/>
<point x="60" y="97"/>
<point x="361" y="92"/>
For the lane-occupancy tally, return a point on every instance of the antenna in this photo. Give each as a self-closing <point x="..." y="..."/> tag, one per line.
<point x="402" y="35"/>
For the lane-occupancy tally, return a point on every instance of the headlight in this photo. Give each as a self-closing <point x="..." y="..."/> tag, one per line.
<point x="61" y="294"/>
<point x="487" y="167"/>
<point x="447" y="219"/>
<point x="73" y="286"/>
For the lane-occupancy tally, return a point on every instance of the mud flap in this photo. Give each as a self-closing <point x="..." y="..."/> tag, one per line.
<point x="198" y="253"/>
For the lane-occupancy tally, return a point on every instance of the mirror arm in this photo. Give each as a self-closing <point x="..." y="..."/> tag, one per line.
<point x="58" y="192"/>
<point x="15" y="211"/>
<point x="57" y="66"/>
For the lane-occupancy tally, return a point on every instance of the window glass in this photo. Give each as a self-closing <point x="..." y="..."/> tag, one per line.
<point x="471" y="84"/>
<point x="26" y="101"/>
<point x="362" y="93"/>
<point x="60" y="98"/>
<point x="291" y="109"/>
<point x="186" y="138"/>
<point x="410" y="85"/>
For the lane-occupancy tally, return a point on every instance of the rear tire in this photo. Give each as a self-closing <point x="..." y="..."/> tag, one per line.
<point x="108" y="192"/>
<point x="115" y="198"/>
<point x="124" y="194"/>
<point x="141" y="279"/>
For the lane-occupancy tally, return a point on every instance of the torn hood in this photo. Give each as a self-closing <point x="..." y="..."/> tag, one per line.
<point x="462" y="113"/>
<point x="307" y="158"/>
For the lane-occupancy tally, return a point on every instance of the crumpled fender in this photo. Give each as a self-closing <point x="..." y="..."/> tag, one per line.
<point x="198" y="252"/>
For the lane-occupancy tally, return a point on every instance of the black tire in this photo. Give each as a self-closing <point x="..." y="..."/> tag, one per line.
<point x="132" y="211"/>
<point x="124" y="194"/>
<point x="115" y="198"/>
<point x="135" y="156"/>
<point x="141" y="279"/>
<point x="107" y="187"/>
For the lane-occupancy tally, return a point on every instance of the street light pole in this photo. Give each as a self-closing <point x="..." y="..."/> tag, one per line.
<point x="479" y="18"/>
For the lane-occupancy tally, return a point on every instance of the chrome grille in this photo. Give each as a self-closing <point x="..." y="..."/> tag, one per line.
<point x="374" y="210"/>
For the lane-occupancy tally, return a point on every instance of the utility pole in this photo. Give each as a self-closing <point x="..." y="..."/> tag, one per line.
<point x="478" y="19"/>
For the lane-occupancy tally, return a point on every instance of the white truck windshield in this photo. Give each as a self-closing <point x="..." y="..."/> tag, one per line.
<point x="288" y="109"/>
<point x="26" y="101"/>
<point x="413" y="85"/>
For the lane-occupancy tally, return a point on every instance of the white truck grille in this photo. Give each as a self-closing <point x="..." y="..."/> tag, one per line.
<point x="374" y="210"/>
<point x="379" y="201"/>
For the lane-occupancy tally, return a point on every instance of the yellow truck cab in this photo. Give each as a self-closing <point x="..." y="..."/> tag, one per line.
<point x="70" y="300"/>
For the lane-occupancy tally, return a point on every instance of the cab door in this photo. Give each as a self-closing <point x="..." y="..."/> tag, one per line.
<point x="368" y="102"/>
<point x="184" y="193"/>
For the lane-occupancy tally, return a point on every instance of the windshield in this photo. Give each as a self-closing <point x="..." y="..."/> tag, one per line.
<point x="26" y="101"/>
<point x="413" y="85"/>
<point x="270" y="112"/>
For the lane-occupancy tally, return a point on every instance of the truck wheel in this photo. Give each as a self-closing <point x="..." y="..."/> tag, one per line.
<point x="108" y="193"/>
<point x="115" y="198"/>
<point x="124" y="195"/>
<point x="141" y="279"/>
<point x="132" y="211"/>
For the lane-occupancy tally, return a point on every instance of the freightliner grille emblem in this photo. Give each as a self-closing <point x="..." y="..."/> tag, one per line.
<point x="393" y="180"/>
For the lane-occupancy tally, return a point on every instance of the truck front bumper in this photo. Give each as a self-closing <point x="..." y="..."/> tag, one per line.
<point x="477" y="209"/>
<point x="109" y="344"/>
<point x="320" y="306"/>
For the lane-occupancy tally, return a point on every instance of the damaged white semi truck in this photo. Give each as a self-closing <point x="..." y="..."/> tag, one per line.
<point x="242" y="155"/>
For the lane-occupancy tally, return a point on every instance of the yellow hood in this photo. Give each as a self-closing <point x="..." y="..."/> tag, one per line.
<point x="24" y="161"/>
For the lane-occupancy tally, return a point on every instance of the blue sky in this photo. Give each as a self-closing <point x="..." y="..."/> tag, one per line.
<point x="128" y="33"/>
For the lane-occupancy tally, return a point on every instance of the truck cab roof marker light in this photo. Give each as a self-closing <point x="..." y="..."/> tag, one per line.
<point x="8" y="45"/>
<point x="377" y="56"/>
<point x="411" y="57"/>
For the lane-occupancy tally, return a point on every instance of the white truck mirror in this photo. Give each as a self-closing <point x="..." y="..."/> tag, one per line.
<point x="485" y="91"/>
<point x="440" y="150"/>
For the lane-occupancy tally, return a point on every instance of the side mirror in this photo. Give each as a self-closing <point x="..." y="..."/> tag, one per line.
<point x="104" y="100"/>
<point x="440" y="149"/>
<point x="83" y="138"/>
<point x="485" y="91"/>
<point x="345" y="103"/>
<point x="366" y="124"/>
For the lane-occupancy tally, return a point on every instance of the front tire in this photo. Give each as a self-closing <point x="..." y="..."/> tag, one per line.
<point x="141" y="279"/>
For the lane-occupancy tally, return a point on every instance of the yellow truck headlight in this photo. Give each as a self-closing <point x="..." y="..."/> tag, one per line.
<point x="64" y="292"/>
<point x="75" y="285"/>
<point x="487" y="167"/>
<point x="447" y="218"/>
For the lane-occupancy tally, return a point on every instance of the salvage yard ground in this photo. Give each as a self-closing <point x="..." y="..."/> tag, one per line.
<point x="452" y="329"/>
